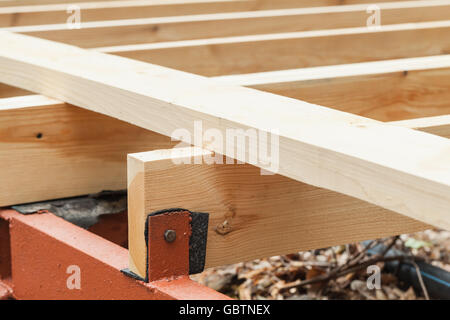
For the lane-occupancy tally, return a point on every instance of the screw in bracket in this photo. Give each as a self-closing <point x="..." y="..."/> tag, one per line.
<point x="170" y="235"/>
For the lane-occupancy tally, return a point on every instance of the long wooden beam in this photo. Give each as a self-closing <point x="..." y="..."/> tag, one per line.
<point x="74" y="143"/>
<point x="439" y="126"/>
<point x="50" y="150"/>
<point x="79" y="151"/>
<point x="297" y="3"/>
<point x="251" y="215"/>
<point x="385" y="90"/>
<point x="270" y="52"/>
<point x="7" y="3"/>
<point x="399" y="169"/>
<point x="254" y="216"/>
<point x="148" y="30"/>
<point x="10" y="91"/>
<point x="20" y="13"/>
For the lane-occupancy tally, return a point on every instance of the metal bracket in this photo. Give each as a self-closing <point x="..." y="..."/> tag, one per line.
<point x="176" y="243"/>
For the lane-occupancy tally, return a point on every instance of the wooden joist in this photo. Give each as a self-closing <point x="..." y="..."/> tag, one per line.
<point x="10" y="91"/>
<point x="80" y="152"/>
<point x="148" y="30"/>
<point x="338" y="176"/>
<point x="270" y="52"/>
<point x="439" y="126"/>
<point x="396" y="168"/>
<point x="385" y="90"/>
<point x="76" y="151"/>
<point x="254" y="3"/>
<point x="21" y="13"/>
<point x="251" y="215"/>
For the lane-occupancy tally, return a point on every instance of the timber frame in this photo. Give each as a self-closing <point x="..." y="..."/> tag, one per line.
<point x="359" y="117"/>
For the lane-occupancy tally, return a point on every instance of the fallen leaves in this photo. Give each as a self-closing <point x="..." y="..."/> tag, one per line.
<point x="283" y="277"/>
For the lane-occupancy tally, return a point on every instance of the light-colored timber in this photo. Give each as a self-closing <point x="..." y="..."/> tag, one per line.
<point x="10" y="91"/>
<point x="51" y="150"/>
<point x="175" y="28"/>
<point x="396" y="168"/>
<point x="251" y="215"/>
<point x="385" y="90"/>
<point x="271" y="52"/>
<point x="74" y="143"/>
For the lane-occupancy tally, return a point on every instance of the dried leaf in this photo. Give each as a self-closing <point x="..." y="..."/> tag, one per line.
<point x="416" y="244"/>
<point x="409" y="294"/>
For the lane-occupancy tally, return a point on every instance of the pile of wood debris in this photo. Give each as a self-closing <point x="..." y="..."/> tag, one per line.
<point x="333" y="273"/>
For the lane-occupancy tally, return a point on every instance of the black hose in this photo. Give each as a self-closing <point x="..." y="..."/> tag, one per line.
<point x="436" y="280"/>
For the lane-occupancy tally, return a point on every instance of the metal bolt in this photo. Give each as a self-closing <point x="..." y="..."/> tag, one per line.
<point x="170" y="235"/>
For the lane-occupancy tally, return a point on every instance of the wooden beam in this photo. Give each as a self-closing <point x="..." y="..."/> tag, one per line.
<point x="220" y="5"/>
<point x="128" y="9"/>
<point x="385" y="90"/>
<point x="251" y="215"/>
<point x="254" y="216"/>
<point x="55" y="150"/>
<point x="399" y="169"/>
<point x="10" y="91"/>
<point x="257" y="3"/>
<point x="8" y="3"/>
<point x="259" y="53"/>
<point x="80" y="151"/>
<point x="19" y="13"/>
<point x="148" y="30"/>
<point x="439" y="126"/>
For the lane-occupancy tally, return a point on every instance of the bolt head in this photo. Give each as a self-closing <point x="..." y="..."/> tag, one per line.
<point x="170" y="235"/>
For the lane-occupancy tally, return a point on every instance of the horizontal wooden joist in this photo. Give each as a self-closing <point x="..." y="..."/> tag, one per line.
<point x="251" y="215"/>
<point x="54" y="150"/>
<point x="10" y="91"/>
<point x="270" y="52"/>
<point x="385" y="90"/>
<point x="80" y="151"/>
<point x="439" y="126"/>
<point x="21" y="13"/>
<point x="148" y="30"/>
<point x="396" y="168"/>
<point x="8" y="3"/>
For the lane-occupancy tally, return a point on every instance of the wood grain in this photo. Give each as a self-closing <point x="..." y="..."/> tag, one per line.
<point x="399" y="169"/>
<point x="174" y="28"/>
<point x="51" y="150"/>
<point x="386" y="90"/>
<point x="270" y="52"/>
<point x="256" y="216"/>
<point x="251" y="215"/>
<point x="10" y="91"/>
<point x="32" y="12"/>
